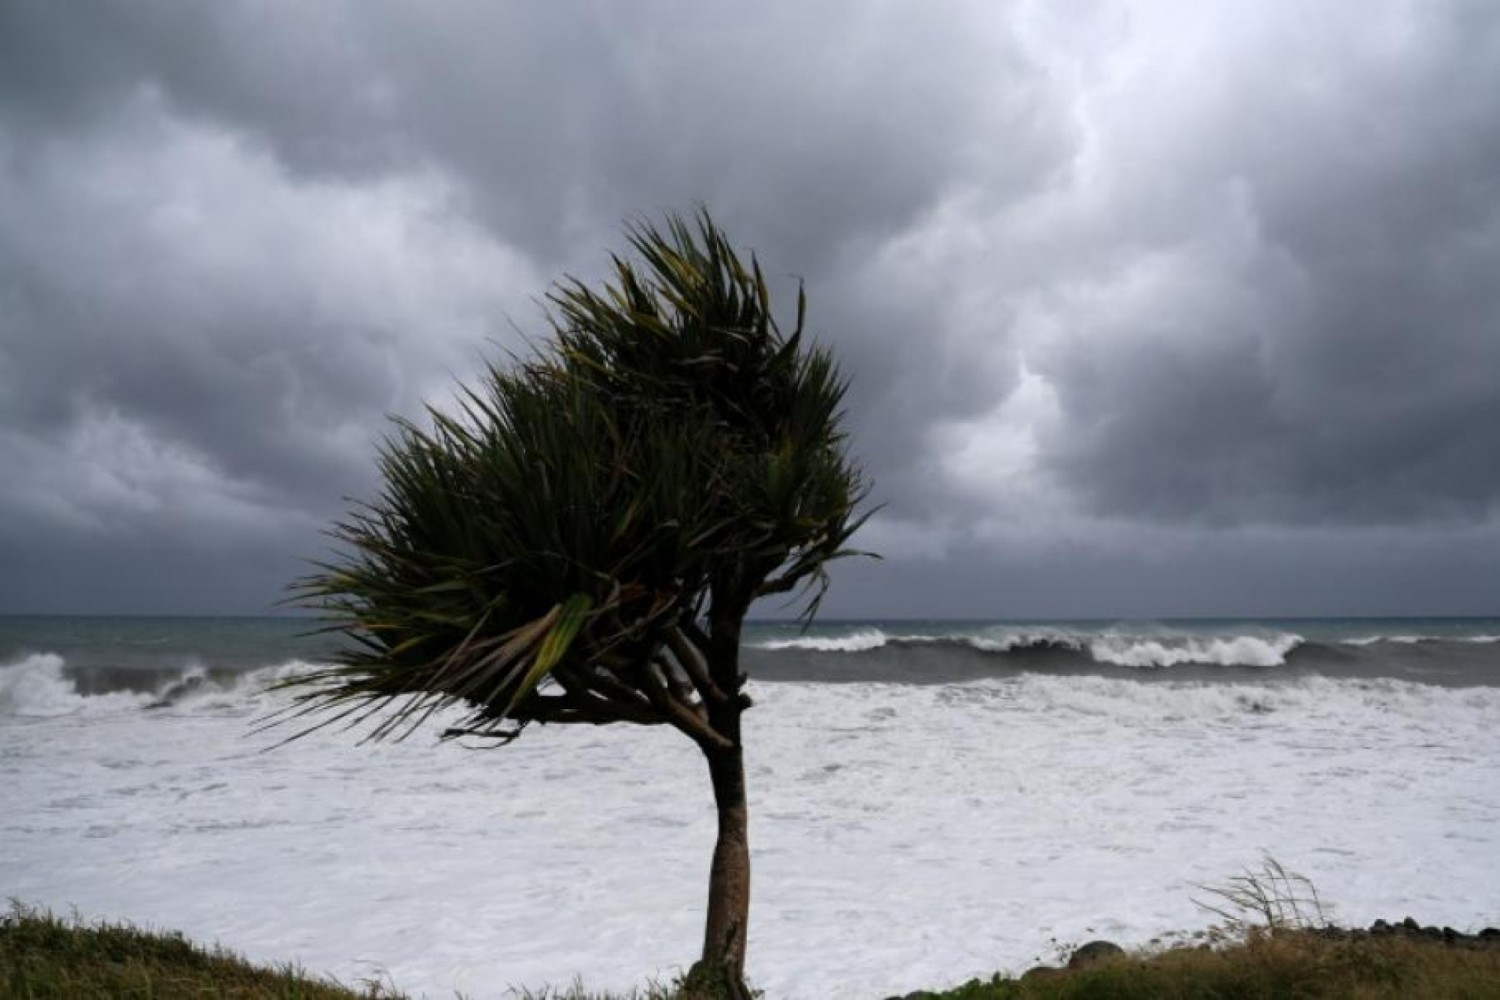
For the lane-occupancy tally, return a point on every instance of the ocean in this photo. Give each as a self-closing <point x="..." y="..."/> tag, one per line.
<point x="930" y="801"/>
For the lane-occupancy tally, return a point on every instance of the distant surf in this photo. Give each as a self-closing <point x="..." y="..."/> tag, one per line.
<point x="1119" y="650"/>
<point x="1452" y="652"/>
<point x="43" y="686"/>
<point x="51" y="667"/>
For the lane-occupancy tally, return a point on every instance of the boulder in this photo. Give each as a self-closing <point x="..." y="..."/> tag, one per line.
<point x="1040" y="972"/>
<point x="1093" y="953"/>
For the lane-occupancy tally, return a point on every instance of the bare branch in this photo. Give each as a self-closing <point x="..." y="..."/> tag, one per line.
<point x="677" y="684"/>
<point x="691" y="662"/>
<point x="630" y="703"/>
<point x="582" y="707"/>
<point x="683" y="717"/>
<point x="693" y="631"/>
<point x="500" y="736"/>
<point x="781" y="584"/>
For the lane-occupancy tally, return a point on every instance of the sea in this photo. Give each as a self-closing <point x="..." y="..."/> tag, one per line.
<point x="930" y="800"/>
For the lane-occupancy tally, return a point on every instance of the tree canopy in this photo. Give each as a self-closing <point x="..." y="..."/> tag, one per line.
<point x="581" y="541"/>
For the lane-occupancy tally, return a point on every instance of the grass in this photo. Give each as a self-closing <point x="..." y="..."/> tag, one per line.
<point x="1267" y="965"/>
<point x="1274" y="941"/>
<point x="1270" y="897"/>
<point x="43" y="956"/>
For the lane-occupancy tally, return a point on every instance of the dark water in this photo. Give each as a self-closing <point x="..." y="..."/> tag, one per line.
<point x="1444" y="651"/>
<point x="143" y="654"/>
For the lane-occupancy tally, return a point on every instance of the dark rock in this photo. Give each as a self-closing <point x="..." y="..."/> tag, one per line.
<point x="1410" y="930"/>
<point x="1041" y="972"/>
<point x="1093" y="953"/>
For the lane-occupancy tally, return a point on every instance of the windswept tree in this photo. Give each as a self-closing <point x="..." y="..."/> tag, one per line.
<point x="582" y="541"/>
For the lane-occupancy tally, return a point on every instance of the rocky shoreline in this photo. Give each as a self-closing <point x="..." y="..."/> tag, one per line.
<point x="1409" y="928"/>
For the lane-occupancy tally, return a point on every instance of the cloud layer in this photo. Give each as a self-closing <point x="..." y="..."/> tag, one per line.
<point x="1149" y="309"/>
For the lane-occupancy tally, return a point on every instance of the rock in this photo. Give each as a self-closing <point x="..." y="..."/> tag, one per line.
<point x="1413" y="931"/>
<point x="1041" y="972"/>
<point x="1093" y="953"/>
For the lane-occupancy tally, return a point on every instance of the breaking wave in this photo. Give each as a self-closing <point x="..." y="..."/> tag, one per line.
<point x="860" y="641"/>
<point x="40" y="686"/>
<point x="1418" y="640"/>
<point x="1120" y="650"/>
<point x="36" y="688"/>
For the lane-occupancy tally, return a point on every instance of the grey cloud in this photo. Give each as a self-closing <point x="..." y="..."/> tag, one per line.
<point x="1242" y="256"/>
<point x="1328" y="361"/>
<point x="814" y="138"/>
<point x="1159" y="573"/>
<point x="191" y="354"/>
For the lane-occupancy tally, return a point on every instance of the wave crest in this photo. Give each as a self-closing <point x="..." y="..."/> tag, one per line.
<point x="1233" y="651"/>
<point x="35" y="687"/>
<point x="859" y="642"/>
<point x="1121" y="650"/>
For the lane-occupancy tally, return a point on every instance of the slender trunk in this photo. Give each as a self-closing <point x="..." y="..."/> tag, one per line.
<point x="729" y="880"/>
<point x="722" y="967"/>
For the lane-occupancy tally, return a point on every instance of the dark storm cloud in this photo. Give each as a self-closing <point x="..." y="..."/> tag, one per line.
<point x="178" y="280"/>
<point x="1316" y="347"/>
<point x="1091" y="268"/>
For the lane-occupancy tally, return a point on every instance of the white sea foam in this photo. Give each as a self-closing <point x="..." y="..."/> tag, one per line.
<point x="35" y="687"/>
<point x="1418" y="639"/>
<point x="904" y="836"/>
<point x="1149" y="651"/>
<point x="858" y="642"/>
<point x="1395" y="640"/>
<point x="1238" y="650"/>
<point x="38" y="687"/>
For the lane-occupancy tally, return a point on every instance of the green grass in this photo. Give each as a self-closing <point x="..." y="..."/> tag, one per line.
<point x="43" y="956"/>
<point x="1267" y="966"/>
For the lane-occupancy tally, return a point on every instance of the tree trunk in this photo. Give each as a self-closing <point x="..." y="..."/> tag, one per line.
<point x="729" y="880"/>
<point x="720" y="973"/>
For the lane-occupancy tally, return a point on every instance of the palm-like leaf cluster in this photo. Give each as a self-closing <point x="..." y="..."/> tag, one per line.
<point x="582" y="540"/>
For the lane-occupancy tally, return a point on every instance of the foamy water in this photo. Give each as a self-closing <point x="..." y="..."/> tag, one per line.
<point x="1112" y="648"/>
<point x="903" y="836"/>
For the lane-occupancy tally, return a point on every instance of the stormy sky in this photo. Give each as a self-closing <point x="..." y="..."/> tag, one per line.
<point x="1149" y="309"/>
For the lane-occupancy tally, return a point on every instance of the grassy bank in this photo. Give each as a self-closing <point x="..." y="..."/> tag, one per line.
<point x="43" y="957"/>
<point x="1292" y="964"/>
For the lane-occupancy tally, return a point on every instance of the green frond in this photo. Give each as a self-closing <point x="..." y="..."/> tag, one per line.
<point x="669" y="452"/>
